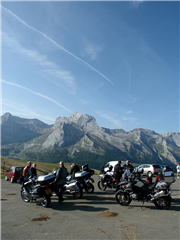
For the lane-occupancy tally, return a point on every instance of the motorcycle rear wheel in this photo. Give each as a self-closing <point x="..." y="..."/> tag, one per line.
<point x="46" y="201"/>
<point x="123" y="198"/>
<point x="24" y="196"/>
<point x="78" y="194"/>
<point x="101" y="186"/>
<point x="90" y="188"/>
<point x="163" y="203"/>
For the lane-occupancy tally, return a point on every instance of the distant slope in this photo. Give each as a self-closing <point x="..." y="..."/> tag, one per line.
<point x="79" y="138"/>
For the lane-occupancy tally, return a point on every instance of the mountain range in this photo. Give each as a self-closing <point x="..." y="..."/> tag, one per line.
<point x="79" y="139"/>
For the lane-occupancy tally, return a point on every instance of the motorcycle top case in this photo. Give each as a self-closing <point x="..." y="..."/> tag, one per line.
<point x="80" y="175"/>
<point x="46" y="179"/>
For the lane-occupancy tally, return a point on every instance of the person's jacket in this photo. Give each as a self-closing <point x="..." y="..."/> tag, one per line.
<point x="74" y="169"/>
<point x="61" y="175"/>
<point x="118" y="170"/>
<point x="128" y="166"/>
<point x="27" y="171"/>
<point x="34" y="172"/>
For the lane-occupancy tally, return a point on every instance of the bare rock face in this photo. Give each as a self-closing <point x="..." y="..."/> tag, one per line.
<point x="20" y="130"/>
<point x="80" y="132"/>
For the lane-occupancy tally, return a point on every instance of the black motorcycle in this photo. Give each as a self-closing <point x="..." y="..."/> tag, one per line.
<point x="134" y="188"/>
<point x="106" y="180"/>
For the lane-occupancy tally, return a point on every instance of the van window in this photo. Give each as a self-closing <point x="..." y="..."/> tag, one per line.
<point x="19" y="169"/>
<point x="107" y="165"/>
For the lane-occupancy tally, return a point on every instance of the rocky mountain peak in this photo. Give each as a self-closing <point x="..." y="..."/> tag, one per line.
<point x="81" y="118"/>
<point x="7" y="116"/>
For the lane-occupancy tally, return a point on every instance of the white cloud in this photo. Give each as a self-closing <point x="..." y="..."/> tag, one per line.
<point x="83" y="101"/>
<point x="56" y="44"/>
<point x="136" y="3"/>
<point x="129" y="112"/>
<point x="22" y="110"/>
<point x="110" y="118"/>
<point x="36" y="93"/>
<point x="92" y="50"/>
<point x="129" y="119"/>
<point x="42" y="60"/>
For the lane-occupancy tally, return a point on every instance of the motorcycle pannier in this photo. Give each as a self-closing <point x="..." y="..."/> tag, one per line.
<point x="169" y="179"/>
<point x="46" y="179"/>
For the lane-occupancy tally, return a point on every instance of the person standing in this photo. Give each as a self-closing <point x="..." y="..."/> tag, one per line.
<point x="33" y="170"/>
<point x="61" y="180"/>
<point x="26" y="174"/>
<point x="74" y="168"/>
<point x="178" y="170"/>
<point x="117" y="173"/>
<point x="128" y="168"/>
<point x="27" y="170"/>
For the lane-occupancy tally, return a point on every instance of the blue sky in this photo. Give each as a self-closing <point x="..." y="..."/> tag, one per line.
<point x="116" y="61"/>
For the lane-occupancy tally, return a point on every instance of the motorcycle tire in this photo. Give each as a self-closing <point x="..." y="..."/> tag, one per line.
<point x="163" y="203"/>
<point x="78" y="195"/>
<point x="101" y="186"/>
<point x="24" y="196"/>
<point x="90" y="188"/>
<point x="46" y="201"/>
<point x="122" y="198"/>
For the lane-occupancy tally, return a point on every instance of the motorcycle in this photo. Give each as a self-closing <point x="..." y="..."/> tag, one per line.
<point x="106" y="179"/>
<point x="71" y="186"/>
<point x="84" y="179"/>
<point x="134" y="188"/>
<point x="37" y="189"/>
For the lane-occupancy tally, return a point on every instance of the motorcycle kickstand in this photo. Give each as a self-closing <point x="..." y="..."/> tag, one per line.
<point x="142" y="206"/>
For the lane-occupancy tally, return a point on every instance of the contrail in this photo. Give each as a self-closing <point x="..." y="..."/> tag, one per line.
<point x="56" y="44"/>
<point x="36" y="93"/>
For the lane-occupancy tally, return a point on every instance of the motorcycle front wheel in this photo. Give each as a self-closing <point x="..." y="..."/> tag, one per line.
<point x="163" y="203"/>
<point x="122" y="198"/>
<point x="78" y="194"/>
<point x="46" y="201"/>
<point x="101" y="186"/>
<point x="24" y="196"/>
<point x="89" y="188"/>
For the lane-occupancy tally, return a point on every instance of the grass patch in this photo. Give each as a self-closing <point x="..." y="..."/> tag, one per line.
<point x="42" y="168"/>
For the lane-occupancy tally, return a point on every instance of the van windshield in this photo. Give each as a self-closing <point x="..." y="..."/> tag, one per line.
<point x="19" y="169"/>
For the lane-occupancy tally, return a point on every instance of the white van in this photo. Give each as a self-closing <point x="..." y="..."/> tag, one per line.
<point x="112" y="163"/>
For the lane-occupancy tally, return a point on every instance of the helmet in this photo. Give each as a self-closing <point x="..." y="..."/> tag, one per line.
<point x="110" y="167"/>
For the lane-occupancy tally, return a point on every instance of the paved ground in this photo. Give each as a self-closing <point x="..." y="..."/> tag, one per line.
<point x="87" y="218"/>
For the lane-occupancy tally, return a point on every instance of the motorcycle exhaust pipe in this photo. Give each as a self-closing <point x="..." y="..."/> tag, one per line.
<point x="158" y="195"/>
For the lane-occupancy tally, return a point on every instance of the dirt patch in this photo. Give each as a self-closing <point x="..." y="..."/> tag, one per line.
<point x="42" y="218"/>
<point x="10" y="194"/>
<point x="130" y="236"/>
<point x="3" y="199"/>
<point x="108" y="214"/>
<point x="128" y="226"/>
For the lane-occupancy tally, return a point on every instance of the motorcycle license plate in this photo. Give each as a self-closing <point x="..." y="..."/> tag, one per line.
<point x="48" y="191"/>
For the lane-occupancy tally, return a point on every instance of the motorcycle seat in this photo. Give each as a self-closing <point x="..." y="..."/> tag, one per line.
<point x="151" y="186"/>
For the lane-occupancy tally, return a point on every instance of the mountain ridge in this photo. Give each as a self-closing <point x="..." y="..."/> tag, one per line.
<point x="80" y="137"/>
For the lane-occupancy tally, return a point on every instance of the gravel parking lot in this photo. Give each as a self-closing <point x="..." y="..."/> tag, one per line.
<point x="95" y="216"/>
